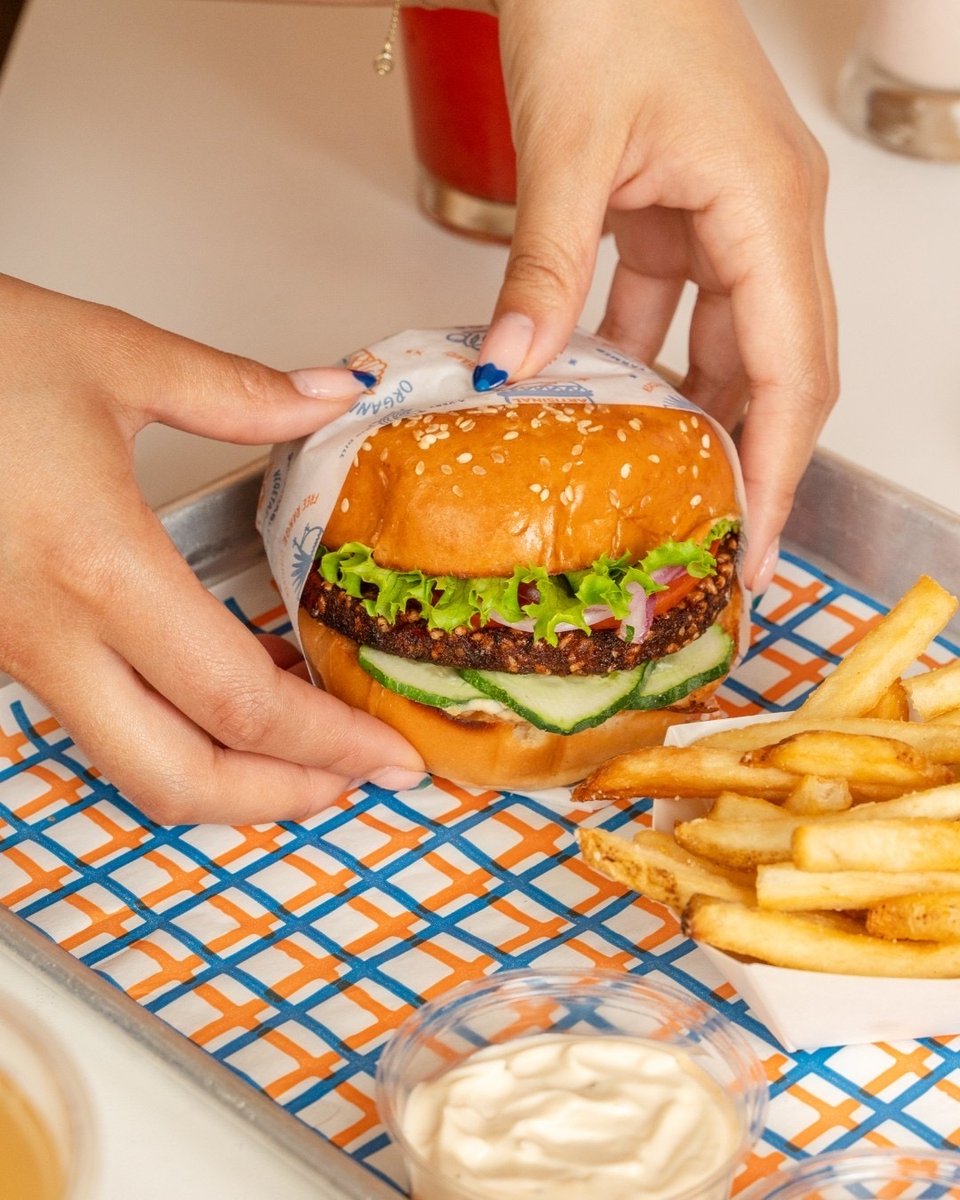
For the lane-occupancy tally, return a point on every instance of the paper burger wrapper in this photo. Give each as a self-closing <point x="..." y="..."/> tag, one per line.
<point x="806" y="1010"/>
<point x="431" y="371"/>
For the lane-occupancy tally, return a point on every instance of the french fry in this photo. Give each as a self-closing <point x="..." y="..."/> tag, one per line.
<point x="784" y="886"/>
<point x="935" y="691"/>
<point x="863" y="760"/>
<point x="893" y="705"/>
<point x="857" y="682"/>
<point x="731" y="806"/>
<point x="792" y="940"/>
<point x="942" y="804"/>
<point x="740" y="845"/>
<point x="653" y="865"/>
<point x="815" y="795"/>
<point x="891" y="845"/>
<point x="940" y="743"/>
<point x="919" y="917"/>
<point x="692" y="771"/>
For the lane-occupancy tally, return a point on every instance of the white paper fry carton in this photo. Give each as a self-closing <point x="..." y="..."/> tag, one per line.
<point x="806" y="1010"/>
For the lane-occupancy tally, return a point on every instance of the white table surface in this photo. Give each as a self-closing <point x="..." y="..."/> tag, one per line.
<point x="237" y="173"/>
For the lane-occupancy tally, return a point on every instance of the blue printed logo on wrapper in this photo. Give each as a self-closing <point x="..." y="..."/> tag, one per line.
<point x="428" y="371"/>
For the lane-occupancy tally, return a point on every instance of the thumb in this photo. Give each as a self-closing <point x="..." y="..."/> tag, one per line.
<point x="201" y="390"/>
<point x="548" y="273"/>
<point x="562" y="195"/>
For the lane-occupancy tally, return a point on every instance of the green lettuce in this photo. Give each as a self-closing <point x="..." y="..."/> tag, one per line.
<point x="447" y="602"/>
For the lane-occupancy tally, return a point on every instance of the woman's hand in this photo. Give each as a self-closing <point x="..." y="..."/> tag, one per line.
<point x="172" y="698"/>
<point x="666" y="122"/>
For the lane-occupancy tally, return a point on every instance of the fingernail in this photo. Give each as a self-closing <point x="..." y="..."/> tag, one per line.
<point x="330" y="382"/>
<point x="765" y="572"/>
<point x="504" y="348"/>
<point x="397" y="779"/>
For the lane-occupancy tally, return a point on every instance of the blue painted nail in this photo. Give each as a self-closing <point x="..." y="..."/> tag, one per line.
<point x="487" y="376"/>
<point x="365" y="378"/>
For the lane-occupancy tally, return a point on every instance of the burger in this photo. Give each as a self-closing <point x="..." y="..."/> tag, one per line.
<point x="525" y="590"/>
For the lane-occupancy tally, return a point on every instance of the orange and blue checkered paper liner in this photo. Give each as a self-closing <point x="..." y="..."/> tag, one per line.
<point x="290" y="952"/>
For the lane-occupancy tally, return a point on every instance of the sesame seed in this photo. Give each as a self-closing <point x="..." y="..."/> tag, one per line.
<point x="567" y="467"/>
<point x="695" y="500"/>
<point x="345" y="505"/>
<point x="535" y="424"/>
<point x="621" y="436"/>
<point x="614" y="499"/>
<point x="634" y="423"/>
<point x="577" y="449"/>
<point x="695" y="422"/>
<point x="536" y="488"/>
<point x="427" y="441"/>
<point x="418" y="469"/>
<point x="625" y="471"/>
<point x="447" y="469"/>
<point x="545" y="494"/>
<point x="544" y="461"/>
<point x="594" y="428"/>
<point x="704" y="453"/>
<point x="466" y="426"/>
<point x="654" y="458"/>
<point x="705" y="441"/>
<point x="457" y="490"/>
<point x="684" y="427"/>
<point x="497" y="456"/>
<point x="695" y="471"/>
<point x="681" y="470"/>
<point x="511" y="434"/>
<point x="383" y="455"/>
<point x="368" y="445"/>
<point x="465" y="457"/>
<point x="567" y="494"/>
<point x="479" y="470"/>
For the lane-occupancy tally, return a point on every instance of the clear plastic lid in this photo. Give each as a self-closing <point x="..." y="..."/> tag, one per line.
<point x="907" y="1173"/>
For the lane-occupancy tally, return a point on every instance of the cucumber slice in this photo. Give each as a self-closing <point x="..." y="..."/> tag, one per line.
<point x="427" y="683"/>
<point x="560" y="703"/>
<point x="679" y="674"/>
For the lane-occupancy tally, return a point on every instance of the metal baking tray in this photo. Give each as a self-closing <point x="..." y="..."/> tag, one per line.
<point x="856" y="526"/>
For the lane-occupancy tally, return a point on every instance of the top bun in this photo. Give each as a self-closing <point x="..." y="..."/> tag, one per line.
<point x="479" y="491"/>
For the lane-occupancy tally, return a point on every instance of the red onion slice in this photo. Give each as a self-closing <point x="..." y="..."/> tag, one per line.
<point x="640" y="616"/>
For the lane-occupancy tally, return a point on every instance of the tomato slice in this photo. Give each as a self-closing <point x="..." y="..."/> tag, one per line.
<point x="680" y="587"/>
<point x="606" y="623"/>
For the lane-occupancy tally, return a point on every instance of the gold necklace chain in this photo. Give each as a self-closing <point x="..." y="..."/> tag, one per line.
<point x="383" y="63"/>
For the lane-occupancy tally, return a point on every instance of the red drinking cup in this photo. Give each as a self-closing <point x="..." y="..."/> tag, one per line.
<point x="461" y="124"/>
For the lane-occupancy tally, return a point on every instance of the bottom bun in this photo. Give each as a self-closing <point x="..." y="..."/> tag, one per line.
<point x="485" y="750"/>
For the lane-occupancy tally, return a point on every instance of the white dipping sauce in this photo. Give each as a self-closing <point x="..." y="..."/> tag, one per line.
<point x="572" y="1116"/>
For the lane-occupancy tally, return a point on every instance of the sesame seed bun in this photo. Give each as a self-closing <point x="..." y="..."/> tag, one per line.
<point x="480" y="491"/>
